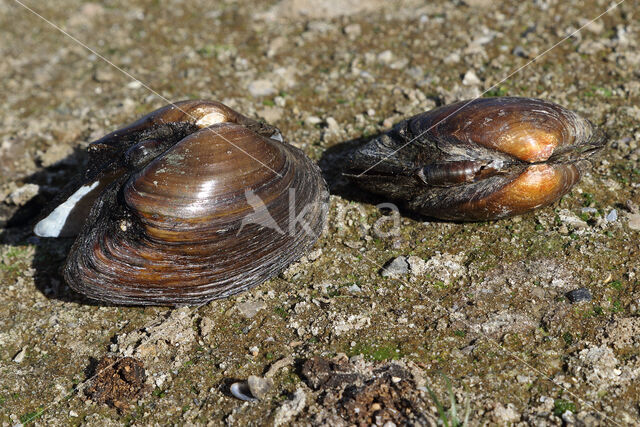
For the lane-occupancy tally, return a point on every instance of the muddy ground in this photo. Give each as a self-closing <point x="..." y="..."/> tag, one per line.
<point x="487" y="306"/>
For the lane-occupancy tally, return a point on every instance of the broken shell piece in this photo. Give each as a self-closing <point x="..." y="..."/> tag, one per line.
<point x="242" y="392"/>
<point x="253" y="389"/>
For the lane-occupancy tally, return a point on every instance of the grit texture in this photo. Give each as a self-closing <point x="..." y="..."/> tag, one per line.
<point x="530" y="320"/>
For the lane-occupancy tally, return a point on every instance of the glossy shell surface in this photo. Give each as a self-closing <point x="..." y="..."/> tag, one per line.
<point x="483" y="159"/>
<point x="200" y="203"/>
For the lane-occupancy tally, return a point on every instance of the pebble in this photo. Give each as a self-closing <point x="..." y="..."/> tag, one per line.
<point x="102" y="75"/>
<point x="22" y="195"/>
<point x="519" y="51"/>
<point x="612" y="216"/>
<point x="249" y="309"/>
<point x="579" y="295"/>
<point x="352" y="30"/>
<point x="395" y="268"/>
<point x="417" y="265"/>
<point x="136" y="84"/>
<point x="332" y="124"/>
<point x="567" y="217"/>
<point x="471" y="79"/>
<point x="354" y="289"/>
<point x="538" y="293"/>
<point x="54" y="154"/>
<point x="261" y="87"/>
<point x="271" y="114"/>
<point x="452" y="58"/>
<point x="634" y="221"/>
<point x="18" y="358"/>
<point x="313" y="120"/>
<point x="385" y="57"/>
<point x="258" y="386"/>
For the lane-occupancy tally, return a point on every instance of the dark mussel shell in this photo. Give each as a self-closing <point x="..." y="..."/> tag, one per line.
<point x="195" y="202"/>
<point x="483" y="159"/>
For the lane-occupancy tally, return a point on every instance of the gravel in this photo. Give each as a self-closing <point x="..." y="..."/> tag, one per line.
<point x="482" y="303"/>
<point x="579" y="295"/>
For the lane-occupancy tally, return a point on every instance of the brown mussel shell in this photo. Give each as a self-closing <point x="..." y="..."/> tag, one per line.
<point x="196" y="202"/>
<point x="483" y="159"/>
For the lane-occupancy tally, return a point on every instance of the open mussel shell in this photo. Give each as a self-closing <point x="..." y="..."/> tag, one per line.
<point x="483" y="159"/>
<point x="196" y="202"/>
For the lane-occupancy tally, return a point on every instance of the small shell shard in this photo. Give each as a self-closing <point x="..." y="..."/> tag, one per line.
<point x="241" y="391"/>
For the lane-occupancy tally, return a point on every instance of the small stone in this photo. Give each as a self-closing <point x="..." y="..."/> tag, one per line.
<point x="612" y="216"/>
<point x="332" y="124"/>
<point x="568" y="418"/>
<point x="579" y="295"/>
<point x="261" y="87"/>
<point x="388" y="122"/>
<point x="22" y="195"/>
<point x="18" y="358"/>
<point x="249" y="309"/>
<point x="385" y="57"/>
<point x="395" y="268"/>
<point x="54" y="154"/>
<point x="280" y="101"/>
<point x="258" y="386"/>
<point x="314" y="254"/>
<point x="102" y="75"/>
<point x="417" y="265"/>
<point x="313" y="120"/>
<point x="519" y="51"/>
<point x="354" y="289"/>
<point x="271" y="114"/>
<point x="634" y="221"/>
<point x="254" y="351"/>
<point x="471" y="79"/>
<point x="206" y="326"/>
<point x="352" y="30"/>
<point x="73" y="414"/>
<point x="452" y="58"/>
<point x="568" y="218"/>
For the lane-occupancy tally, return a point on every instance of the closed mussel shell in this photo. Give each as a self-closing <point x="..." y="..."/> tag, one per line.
<point x="482" y="159"/>
<point x="219" y="208"/>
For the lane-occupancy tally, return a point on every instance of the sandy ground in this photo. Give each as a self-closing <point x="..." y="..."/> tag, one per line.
<point x="483" y="304"/>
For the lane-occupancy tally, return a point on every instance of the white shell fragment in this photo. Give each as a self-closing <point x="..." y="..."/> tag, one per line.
<point x="241" y="391"/>
<point x="253" y="389"/>
<point x="56" y="224"/>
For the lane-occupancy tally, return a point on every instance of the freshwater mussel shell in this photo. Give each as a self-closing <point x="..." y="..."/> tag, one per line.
<point x="200" y="203"/>
<point x="483" y="159"/>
